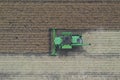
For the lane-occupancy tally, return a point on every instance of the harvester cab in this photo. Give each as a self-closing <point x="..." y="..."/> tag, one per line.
<point x="66" y="40"/>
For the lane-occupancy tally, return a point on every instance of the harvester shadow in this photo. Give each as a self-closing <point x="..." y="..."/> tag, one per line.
<point x="50" y="42"/>
<point x="72" y="52"/>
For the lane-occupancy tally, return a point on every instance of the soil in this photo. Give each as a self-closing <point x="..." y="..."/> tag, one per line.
<point x="24" y="28"/>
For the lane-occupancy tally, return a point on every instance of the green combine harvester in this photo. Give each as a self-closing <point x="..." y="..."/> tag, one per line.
<point x="66" y="40"/>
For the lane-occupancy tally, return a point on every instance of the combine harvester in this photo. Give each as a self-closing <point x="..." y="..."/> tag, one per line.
<point x="65" y="41"/>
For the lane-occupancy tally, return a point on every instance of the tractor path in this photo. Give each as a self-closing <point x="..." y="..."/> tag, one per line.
<point x="102" y="42"/>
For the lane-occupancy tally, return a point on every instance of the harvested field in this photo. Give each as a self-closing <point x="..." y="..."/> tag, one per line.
<point x="102" y="42"/>
<point x="24" y="40"/>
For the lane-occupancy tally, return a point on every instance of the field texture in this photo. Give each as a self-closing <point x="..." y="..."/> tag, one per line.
<point x="24" y="40"/>
<point x="24" y="26"/>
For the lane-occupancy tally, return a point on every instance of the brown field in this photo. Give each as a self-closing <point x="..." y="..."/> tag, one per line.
<point x="24" y="28"/>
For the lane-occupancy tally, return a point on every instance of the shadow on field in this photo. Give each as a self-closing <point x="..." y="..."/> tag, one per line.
<point x="72" y="52"/>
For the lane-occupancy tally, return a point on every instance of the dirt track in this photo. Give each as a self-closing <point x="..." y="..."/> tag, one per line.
<point x="103" y="42"/>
